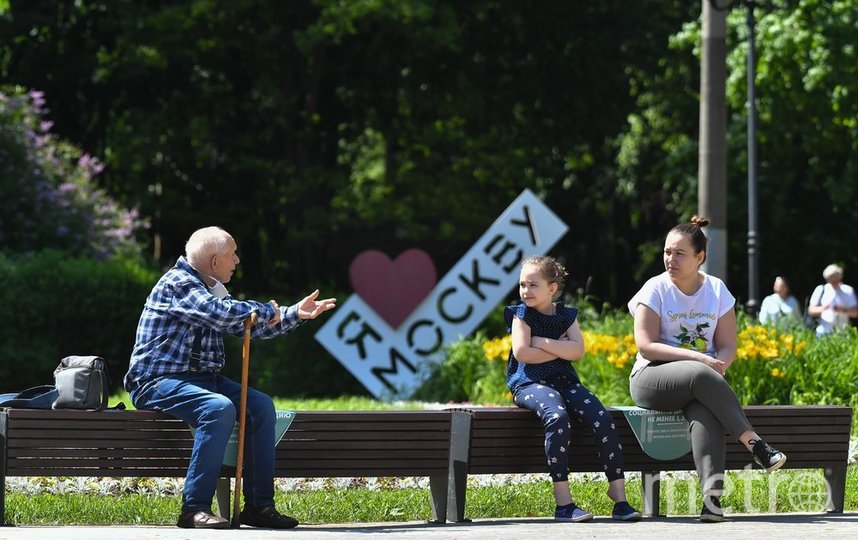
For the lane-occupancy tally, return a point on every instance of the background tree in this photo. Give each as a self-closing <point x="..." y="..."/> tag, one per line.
<point x="366" y="124"/>
<point x="806" y="84"/>
<point x="316" y="129"/>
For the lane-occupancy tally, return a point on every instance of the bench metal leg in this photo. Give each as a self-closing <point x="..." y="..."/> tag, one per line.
<point x="835" y="484"/>
<point x="438" y="490"/>
<point x="2" y="468"/>
<point x="223" y="495"/>
<point x="457" y="480"/>
<point x="650" y="491"/>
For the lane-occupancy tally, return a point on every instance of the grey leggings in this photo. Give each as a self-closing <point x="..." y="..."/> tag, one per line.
<point x="709" y="404"/>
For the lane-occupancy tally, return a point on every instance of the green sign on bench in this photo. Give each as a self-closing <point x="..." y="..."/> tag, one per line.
<point x="662" y="435"/>
<point x="284" y="420"/>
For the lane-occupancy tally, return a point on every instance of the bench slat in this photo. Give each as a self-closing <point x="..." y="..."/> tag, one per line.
<point x="101" y="443"/>
<point x="119" y="473"/>
<point x="111" y="424"/>
<point x="316" y="470"/>
<point x="59" y="437"/>
<point x="367" y="436"/>
<point x="16" y="453"/>
<point x="106" y="464"/>
<point x="288" y="445"/>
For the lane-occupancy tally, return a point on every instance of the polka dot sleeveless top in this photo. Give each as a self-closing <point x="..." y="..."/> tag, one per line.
<point x="541" y="325"/>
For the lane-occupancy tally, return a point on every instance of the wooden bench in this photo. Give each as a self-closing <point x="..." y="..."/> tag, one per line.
<point x="150" y="444"/>
<point x="511" y="440"/>
<point x="445" y="446"/>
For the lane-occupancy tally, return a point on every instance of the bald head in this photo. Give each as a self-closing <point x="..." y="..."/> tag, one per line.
<point x="205" y="243"/>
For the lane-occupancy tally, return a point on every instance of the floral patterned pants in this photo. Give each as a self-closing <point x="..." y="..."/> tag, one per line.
<point x="556" y="408"/>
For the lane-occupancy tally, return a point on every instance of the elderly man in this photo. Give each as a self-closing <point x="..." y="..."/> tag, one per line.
<point x="834" y="303"/>
<point x="175" y="368"/>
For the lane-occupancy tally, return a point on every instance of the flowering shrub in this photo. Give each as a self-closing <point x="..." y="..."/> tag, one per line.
<point x="767" y="342"/>
<point x="772" y="366"/>
<point x="619" y="351"/>
<point x="497" y="350"/>
<point x="50" y="197"/>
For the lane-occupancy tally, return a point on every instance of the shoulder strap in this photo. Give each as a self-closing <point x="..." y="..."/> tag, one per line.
<point x="196" y="349"/>
<point x="105" y="388"/>
<point x="821" y="289"/>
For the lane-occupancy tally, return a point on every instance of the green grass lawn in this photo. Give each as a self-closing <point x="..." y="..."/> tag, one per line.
<point x="784" y="491"/>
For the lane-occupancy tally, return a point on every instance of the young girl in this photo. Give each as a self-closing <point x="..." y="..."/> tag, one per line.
<point x="546" y="340"/>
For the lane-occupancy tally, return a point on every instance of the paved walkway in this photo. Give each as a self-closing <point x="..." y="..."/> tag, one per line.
<point x="827" y="526"/>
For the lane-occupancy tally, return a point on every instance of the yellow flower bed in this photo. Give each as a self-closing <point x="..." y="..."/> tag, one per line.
<point x="754" y="343"/>
<point x="619" y="350"/>
<point x="498" y="349"/>
<point x="767" y="343"/>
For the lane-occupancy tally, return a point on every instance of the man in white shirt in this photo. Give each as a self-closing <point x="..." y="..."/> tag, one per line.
<point x="833" y="303"/>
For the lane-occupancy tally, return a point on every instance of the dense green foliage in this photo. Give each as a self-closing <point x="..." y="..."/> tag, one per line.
<point x="316" y="129"/>
<point x="807" y="136"/>
<point x="55" y="305"/>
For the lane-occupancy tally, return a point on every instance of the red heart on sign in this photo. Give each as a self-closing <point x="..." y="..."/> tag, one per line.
<point x="393" y="288"/>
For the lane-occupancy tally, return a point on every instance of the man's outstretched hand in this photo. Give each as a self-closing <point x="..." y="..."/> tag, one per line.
<point x="310" y="308"/>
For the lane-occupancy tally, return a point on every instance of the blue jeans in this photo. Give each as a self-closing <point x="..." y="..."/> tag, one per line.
<point x="209" y="403"/>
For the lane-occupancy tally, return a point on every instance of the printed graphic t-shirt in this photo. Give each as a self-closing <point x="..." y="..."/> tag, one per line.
<point x="686" y="321"/>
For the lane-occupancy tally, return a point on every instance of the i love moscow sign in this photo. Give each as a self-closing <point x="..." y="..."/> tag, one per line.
<point x="394" y="328"/>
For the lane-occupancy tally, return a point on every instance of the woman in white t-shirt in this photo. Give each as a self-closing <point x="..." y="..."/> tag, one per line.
<point x="780" y="307"/>
<point x="834" y="303"/>
<point x="685" y="331"/>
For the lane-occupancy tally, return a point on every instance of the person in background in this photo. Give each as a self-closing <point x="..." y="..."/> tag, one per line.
<point x="833" y="303"/>
<point x="781" y="306"/>
<point x="685" y="331"/>
<point x="546" y="339"/>
<point x="175" y="368"/>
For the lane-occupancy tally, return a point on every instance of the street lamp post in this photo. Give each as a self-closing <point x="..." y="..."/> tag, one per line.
<point x="753" y="243"/>
<point x="753" y="249"/>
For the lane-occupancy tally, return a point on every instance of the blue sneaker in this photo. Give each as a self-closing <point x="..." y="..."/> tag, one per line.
<point x="571" y="512"/>
<point x="623" y="511"/>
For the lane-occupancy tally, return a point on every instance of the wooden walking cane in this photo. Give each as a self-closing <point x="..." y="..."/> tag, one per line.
<point x="242" y="413"/>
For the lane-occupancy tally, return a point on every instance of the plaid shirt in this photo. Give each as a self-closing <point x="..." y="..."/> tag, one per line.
<point x="179" y="308"/>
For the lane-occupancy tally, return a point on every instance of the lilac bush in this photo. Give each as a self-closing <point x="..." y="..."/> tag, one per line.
<point x="48" y="195"/>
